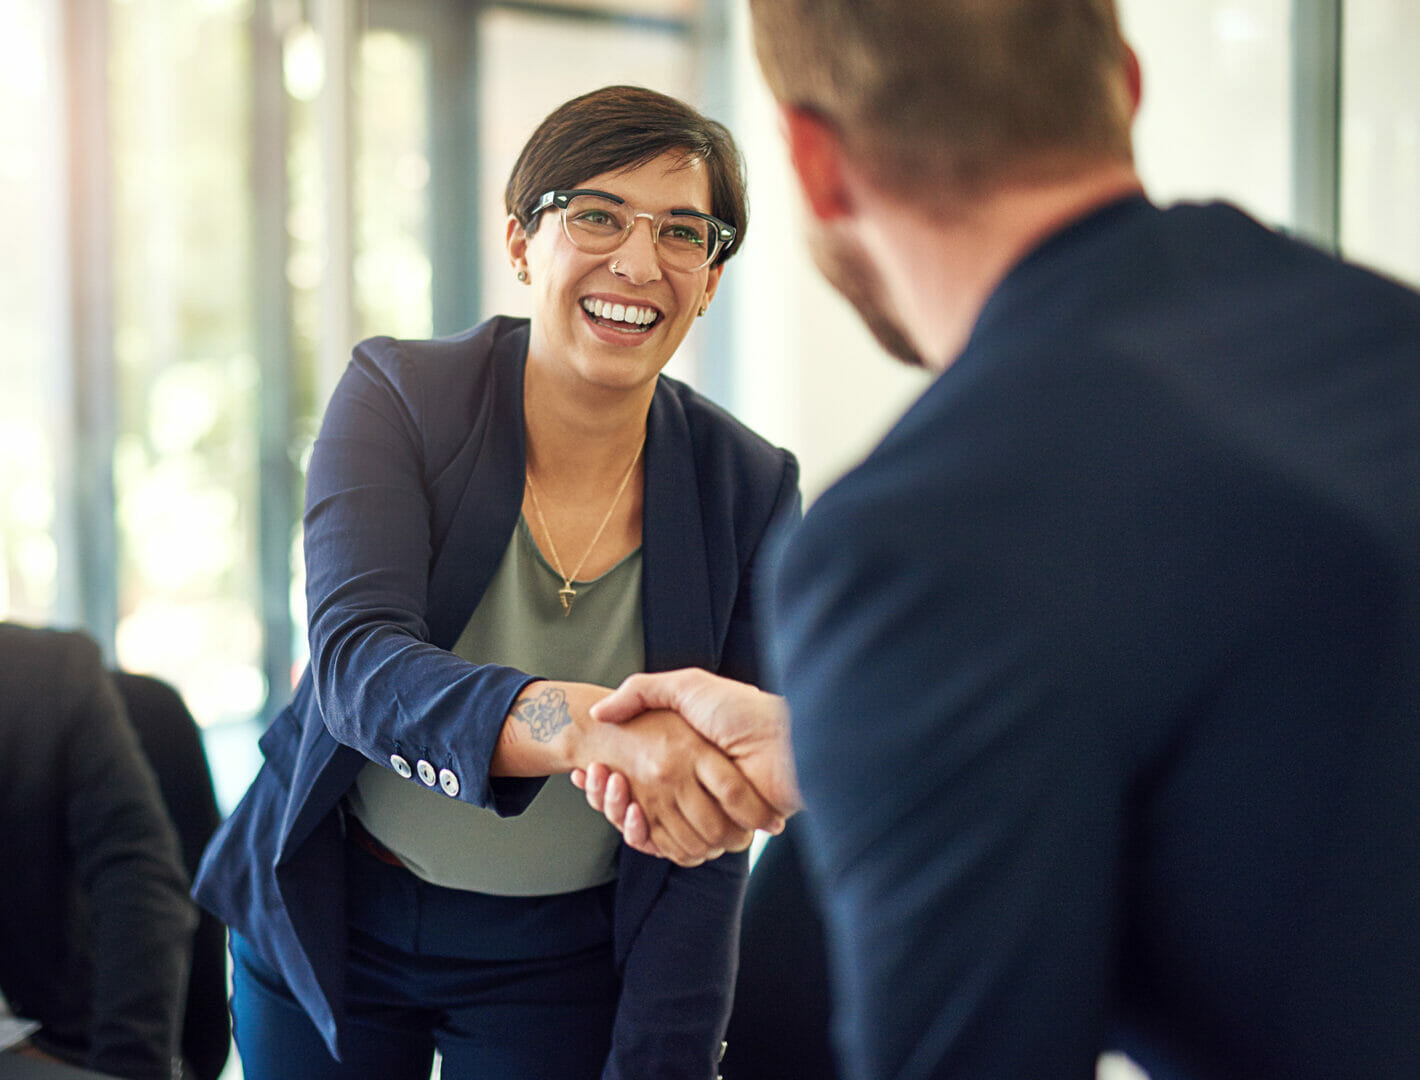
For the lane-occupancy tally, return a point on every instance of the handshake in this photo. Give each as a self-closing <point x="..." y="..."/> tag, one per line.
<point x="707" y="763"/>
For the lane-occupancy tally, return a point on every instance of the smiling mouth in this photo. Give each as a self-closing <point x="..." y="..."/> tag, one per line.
<point x="627" y="317"/>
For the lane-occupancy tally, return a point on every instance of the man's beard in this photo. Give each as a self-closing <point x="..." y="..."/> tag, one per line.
<point x="848" y="270"/>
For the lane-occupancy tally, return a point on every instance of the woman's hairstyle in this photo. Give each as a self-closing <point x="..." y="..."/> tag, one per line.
<point x="618" y="128"/>
<point x="961" y="91"/>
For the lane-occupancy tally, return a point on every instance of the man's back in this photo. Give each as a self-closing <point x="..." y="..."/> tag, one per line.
<point x="1105" y="671"/>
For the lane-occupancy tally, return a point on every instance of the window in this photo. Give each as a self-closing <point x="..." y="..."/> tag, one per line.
<point x="1380" y="143"/>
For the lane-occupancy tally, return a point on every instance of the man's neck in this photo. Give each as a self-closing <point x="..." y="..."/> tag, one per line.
<point x="940" y="269"/>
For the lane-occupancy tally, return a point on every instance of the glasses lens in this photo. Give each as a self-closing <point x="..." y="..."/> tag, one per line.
<point x="595" y="224"/>
<point x="599" y="226"/>
<point x="687" y="242"/>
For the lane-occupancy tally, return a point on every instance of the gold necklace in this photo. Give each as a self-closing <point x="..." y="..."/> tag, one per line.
<point x="567" y="594"/>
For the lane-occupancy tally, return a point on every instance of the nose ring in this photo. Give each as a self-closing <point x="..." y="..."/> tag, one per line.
<point x="616" y="266"/>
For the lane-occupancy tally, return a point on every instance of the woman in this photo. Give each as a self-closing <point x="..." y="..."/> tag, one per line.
<point x="499" y="526"/>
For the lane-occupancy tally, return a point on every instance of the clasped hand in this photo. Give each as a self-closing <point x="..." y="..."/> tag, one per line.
<point x="688" y="764"/>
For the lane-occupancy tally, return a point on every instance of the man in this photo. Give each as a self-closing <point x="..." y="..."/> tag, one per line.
<point x="95" y="923"/>
<point x="1104" y="667"/>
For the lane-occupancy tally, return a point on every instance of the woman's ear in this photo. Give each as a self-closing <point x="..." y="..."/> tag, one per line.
<point x="711" y="284"/>
<point x="517" y="243"/>
<point x="818" y="158"/>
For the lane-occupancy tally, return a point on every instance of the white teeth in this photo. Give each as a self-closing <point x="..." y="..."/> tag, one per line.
<point x="627" y="313"/>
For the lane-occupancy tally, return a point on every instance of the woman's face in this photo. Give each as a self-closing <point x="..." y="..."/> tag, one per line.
<point x="571" y="286"/>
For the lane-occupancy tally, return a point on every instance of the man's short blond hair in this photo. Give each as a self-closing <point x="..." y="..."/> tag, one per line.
<point x="959" y="92"/>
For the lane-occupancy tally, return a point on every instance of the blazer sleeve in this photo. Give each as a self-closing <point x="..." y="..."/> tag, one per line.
<point x="125" y="854"/>
<point x="383" y="688"/>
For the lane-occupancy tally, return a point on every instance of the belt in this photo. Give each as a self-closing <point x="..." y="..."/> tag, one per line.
<point x="360" y="836"/>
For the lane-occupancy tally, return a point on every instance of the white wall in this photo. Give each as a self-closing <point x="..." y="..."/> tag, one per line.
<point x="807" y="375"/>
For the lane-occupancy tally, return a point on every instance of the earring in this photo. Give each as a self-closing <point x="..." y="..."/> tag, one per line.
<point x="701" y="313"/>
<point x="523" y="276"/>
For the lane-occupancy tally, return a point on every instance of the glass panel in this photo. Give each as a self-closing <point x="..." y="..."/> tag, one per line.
<point x="185" y="460"/>
<point x="1216" y="113"/>
<point x="30" y="308"/>
<point x="392" y="271"/>
<point x="572" y="56"/>
<point x="1380" y="146"/>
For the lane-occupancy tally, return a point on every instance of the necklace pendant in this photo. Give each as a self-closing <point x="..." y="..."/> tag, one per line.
<point x="567" y="594"/>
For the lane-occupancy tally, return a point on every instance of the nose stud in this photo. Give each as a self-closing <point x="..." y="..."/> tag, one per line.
<point x="616" y="266"/>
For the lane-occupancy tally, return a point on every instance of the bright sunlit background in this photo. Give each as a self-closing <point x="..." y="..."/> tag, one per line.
<point x="205" y="203"/>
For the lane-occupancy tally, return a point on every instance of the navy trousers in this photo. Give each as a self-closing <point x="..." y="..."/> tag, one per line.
<point x="506" y="988"/>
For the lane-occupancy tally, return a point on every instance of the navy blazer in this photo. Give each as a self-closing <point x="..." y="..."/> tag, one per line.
<point x="413" y="492"/>
<point x="1127" y="606"/>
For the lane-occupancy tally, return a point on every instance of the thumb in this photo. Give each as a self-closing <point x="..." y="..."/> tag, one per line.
<point x="627" y="701"/>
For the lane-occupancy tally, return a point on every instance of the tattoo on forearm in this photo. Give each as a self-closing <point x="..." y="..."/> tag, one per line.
<point x="545" y="714"/>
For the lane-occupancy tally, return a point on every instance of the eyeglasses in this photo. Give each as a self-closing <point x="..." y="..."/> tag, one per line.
<point x="599" y="222"/>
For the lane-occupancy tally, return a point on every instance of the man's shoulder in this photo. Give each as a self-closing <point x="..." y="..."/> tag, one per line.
<point x="31" y="653"/>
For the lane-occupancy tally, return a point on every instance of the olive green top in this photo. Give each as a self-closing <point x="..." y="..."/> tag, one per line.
<point x="559" y="844"/>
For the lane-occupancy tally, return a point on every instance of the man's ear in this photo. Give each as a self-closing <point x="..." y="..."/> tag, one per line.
<point x="1133" y="78"/>
<point x="817" y="155"/>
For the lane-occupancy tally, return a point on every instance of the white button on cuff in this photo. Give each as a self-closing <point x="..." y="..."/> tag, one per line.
<point x="449" y="782"/>
<point x="426" y="772"/>
<point x="399" y="765"/>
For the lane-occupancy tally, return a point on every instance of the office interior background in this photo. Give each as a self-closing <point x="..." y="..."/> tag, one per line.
<point x="205" y="203"/>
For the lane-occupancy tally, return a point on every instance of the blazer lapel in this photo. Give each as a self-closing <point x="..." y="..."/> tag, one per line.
<point x="677" y="618"/>
<point x="487" y="512"/>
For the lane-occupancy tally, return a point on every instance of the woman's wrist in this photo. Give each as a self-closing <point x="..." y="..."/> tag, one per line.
<point x="545" y="729"/>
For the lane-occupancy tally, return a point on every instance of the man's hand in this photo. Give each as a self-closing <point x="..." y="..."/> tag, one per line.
<point x="749" y="725"/>
<point x="694" y="803"/>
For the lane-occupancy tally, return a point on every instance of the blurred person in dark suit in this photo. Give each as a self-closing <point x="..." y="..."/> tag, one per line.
<point x="95" y="921"/>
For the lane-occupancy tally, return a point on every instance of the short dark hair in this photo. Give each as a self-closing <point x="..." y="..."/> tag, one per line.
<point x="962" y="91"/>
<point x="622" y="127"/>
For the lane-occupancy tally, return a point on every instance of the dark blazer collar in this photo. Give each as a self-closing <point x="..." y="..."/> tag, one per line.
<point x="487" y="511"/>
<point x="675" y="577"/>
<point x="676" y="608"/>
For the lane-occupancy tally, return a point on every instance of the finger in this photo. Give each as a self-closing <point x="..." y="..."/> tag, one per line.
<point x="596" y="778"/>
<point x="618" y="798"/>
<point x="686" y="824"/>
<point x="737" y="797"/>
<point x="636" y="830"/>
<point x="637" y="833"/>
<point x="578" y="778"/>
<point x="676" y="839"/>
<point x="714" y="829"/>
<point x="671" y="848"/>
